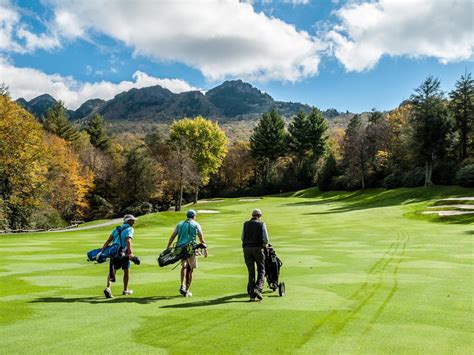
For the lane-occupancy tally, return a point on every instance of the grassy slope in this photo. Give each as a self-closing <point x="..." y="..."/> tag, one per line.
<point x="364" y="273"/>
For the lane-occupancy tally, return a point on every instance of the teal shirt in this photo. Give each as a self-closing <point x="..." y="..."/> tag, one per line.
<point x="121" y="239"/>
<point x="187" y="231"/>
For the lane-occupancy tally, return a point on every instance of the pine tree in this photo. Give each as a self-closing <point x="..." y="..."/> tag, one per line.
<point x="462" y="106"/>
<point x="307" y="143"/>
<point x="317" y="127"/>
<point x="429" y="123"/>
<point x="56" y="121"/>
<point x="298" y="130"/>
<point x="307" y="133"/>
<point x="268" y="141"/>
<point x="96" y="128"/>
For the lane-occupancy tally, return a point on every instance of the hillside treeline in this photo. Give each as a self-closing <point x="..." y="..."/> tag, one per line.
<point x="428" y="139"/>
<point x="53" y="172"/>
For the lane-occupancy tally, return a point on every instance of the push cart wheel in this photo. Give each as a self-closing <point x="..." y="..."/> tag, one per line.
<point x="281" y="289"/>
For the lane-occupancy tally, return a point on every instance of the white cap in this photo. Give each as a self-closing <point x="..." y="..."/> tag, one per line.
<point x="256" y="212"/>
<point x="129" y="217"/>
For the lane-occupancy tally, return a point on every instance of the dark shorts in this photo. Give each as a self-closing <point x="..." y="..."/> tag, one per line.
<point x="116" y="264"/>
<point x="121" y="263"/>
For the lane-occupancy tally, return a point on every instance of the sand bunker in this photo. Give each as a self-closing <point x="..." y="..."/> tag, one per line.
<point x="209" y="201"/>
<point x="207" y="211"/>
<point x="458" y="199"/>
<point x="461" y="207"/>
<point x="249" y="199"/>
<point x="449" y="213"/>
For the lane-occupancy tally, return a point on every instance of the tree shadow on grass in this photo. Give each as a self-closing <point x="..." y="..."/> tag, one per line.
<point x="213" y="302"/>
<point x="375" y="198"/>
<point x="102" y="300"/>
<point x="469" y="232"/>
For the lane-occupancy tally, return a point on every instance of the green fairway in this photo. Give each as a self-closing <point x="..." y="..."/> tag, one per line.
<point x="364" y="273"/>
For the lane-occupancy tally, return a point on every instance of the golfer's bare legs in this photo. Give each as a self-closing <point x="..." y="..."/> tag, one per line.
<point x="125" y="279"/>
<point x="189" y="277"/>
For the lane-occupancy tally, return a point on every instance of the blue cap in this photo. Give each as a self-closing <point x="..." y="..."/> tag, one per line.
<point x="191" y="213"/>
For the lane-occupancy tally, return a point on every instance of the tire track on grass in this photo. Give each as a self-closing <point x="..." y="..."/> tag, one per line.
<point x="337" y="320"/>
<point x="394" y="288"/>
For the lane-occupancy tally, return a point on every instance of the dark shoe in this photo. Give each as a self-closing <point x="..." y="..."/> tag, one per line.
<point x="252" y="299"/>
<point x="183" y="291"/>
<point x="258" y="295"/>
<point x="108" y="293"/>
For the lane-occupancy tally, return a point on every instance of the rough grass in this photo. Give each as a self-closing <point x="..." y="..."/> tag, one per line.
<point x="365" y="273"/>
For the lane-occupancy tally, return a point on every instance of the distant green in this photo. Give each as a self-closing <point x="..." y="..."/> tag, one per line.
<point x="365" y="273"/>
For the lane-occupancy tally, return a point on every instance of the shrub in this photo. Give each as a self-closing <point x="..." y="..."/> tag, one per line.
<point x="393" y="180"/>
<point x="146" y="207"/>
<point x="101" y="208"/>
<point x="444" y="172"/>
<point x="3" y="215"/>
<point x="344" y="182"/>
<point x="414" y="177"/>
<point x="465" y="176"/>
<point x="47" y="217"/>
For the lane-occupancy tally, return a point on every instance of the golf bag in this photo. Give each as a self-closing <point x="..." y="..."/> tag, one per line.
<point x="176" y="253"/>
<point x="111" y="251"/>
<point x="272" y="270"/>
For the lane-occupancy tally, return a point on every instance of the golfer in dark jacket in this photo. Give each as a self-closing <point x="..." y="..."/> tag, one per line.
<point x="254" y="240"/>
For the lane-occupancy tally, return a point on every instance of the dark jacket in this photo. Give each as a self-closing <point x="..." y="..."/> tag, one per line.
<point x="252" y="234"/>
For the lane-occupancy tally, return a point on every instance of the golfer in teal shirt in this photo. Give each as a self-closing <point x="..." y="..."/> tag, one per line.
<point x="187" y="231"/>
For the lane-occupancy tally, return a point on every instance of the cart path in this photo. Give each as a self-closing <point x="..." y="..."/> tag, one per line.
<point x="103" y="224"/>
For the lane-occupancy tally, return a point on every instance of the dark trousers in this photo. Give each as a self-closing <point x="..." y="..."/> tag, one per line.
<point x="254" y="256"/>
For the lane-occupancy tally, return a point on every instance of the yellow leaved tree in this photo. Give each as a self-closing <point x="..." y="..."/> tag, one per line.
<point x="69" y="181"/>
<point x="23" y="163"/>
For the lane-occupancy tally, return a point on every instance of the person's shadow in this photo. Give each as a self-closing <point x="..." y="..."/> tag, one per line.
<point x="213" y="302"/>
<point x="102" y="300"/>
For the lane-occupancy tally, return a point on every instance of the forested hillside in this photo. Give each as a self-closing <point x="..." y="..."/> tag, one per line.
<point x="54" y="170"/>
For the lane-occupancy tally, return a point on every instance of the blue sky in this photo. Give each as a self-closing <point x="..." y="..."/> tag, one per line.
<point x="348" y="55"/>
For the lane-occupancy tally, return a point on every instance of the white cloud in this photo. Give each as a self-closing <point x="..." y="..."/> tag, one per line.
<point x="34" y="42"/>
<point x="296" y="2"/>
<point x="29" y="83"/>
<point x="220" y="38"/>
<point x="8" y="20"/>
<point x="414" y="28"/>
<point x="15" y="36"/>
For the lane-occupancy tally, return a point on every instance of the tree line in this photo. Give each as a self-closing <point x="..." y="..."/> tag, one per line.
<point x="428" y="139"/>
<point x="53" y="171"/>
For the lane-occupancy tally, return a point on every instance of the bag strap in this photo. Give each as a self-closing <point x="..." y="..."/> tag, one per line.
<point x="120" y="231"/>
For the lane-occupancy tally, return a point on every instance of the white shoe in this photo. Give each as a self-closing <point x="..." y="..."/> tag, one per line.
<point x="127" y="292"/>
<point x="108" y="293"/>
<point x="188" y="294"/>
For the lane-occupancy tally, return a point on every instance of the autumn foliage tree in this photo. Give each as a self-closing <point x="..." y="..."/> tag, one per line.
<point x="68" y="181"/>
<point x="205" y="142"/>
<point x="238" y="168"/>
<point x="23" y="162"/>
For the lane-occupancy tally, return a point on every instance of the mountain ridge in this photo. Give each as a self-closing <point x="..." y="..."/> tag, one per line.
<point x="232" y="100"/>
